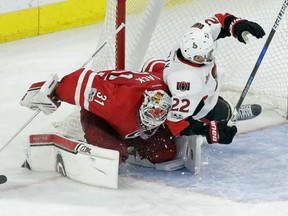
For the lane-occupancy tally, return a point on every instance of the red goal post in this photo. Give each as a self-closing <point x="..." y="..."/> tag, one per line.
<point x="154" y="26"/>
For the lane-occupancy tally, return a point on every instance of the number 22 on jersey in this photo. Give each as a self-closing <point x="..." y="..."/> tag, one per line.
<point x="180" y="105"/>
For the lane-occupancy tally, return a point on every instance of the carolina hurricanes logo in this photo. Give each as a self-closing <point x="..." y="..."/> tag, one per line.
<point x="183" y="86"/>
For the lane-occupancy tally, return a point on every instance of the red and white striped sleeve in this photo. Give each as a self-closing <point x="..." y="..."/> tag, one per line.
<point x="219" y="26"/>
<point x="72" y="87"/>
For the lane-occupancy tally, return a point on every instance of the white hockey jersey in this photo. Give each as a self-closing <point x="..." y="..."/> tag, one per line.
<point x="191" y="83"/>
<point x="195" y="88"/>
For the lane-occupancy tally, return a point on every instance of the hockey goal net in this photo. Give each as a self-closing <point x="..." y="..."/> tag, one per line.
<point x="154" y="26"/>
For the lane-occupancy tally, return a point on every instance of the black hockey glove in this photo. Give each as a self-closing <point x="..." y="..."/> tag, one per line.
<point x="214" y="131"/>
<point x="220" y="132"/>
<point x="239" y="29"/>
<point x="195" y="128"/>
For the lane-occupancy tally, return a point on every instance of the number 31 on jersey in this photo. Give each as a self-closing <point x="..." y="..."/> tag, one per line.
<point x="97" y="96"/>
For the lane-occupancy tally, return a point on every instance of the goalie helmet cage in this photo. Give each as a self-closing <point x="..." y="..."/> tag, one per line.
<point x="154" y="27"/>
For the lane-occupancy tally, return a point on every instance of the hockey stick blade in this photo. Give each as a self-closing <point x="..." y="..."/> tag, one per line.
<point x="23" y="126"/>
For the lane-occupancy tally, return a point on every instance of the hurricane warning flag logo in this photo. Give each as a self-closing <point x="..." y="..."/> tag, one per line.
<point x="183" y="86"/>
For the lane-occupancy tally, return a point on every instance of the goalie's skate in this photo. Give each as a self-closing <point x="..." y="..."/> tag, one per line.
<point x="134" y="158"/>
<point x="248" y="111"/>
<point x="171" y="165"/>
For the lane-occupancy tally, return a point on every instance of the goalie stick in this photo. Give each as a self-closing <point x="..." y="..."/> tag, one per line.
<point x="258" y="62"/>
<point x="84" y="65"/>
<point x="23" y="126"/>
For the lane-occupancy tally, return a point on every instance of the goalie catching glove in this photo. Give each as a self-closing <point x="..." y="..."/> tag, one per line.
<point x="40" y="96"/>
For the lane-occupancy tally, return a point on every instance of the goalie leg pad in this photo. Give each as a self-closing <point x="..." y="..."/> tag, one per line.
<point x="189" y="150"/>
<point x="188" y="155"/>
<point x="77" y="160"/>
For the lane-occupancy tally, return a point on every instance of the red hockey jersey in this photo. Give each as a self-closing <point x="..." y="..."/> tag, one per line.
<point x="115" y="96"/>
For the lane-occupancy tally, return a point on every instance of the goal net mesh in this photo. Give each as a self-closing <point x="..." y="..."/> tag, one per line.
<point x="153" y="27"/>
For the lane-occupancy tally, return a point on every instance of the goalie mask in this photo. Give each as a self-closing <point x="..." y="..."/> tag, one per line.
<point x="198" y="47"/>
<point x="155" y="107"/>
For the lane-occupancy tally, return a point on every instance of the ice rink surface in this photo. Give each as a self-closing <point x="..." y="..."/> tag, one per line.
<point x="248" y="177"/>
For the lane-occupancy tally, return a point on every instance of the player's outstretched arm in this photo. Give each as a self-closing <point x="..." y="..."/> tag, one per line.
<point x="241" y="28"/>
<point x="238" y="27"/>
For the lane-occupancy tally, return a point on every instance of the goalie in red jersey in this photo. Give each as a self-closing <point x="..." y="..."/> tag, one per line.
<point x="120" y="109"/>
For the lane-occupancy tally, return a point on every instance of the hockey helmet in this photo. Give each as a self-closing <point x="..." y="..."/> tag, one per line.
<point x="198" y="46"/>
<point x="155" y="107"/>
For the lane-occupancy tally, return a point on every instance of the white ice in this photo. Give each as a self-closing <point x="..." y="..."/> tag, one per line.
<point x="248" y="177"/>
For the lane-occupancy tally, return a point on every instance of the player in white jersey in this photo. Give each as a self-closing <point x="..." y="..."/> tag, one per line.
<point x="194" y="82"/>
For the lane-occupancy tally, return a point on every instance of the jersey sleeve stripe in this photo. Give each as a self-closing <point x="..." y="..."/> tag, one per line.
<point x="79" y="85"/>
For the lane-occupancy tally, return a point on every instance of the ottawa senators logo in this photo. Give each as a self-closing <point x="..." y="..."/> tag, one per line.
<point x="183" y="86"/>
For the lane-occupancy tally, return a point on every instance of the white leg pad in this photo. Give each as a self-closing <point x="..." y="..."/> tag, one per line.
<point x="188" y="155"/>
<point x="77" y="160"/>
<point x="189" y="150"/>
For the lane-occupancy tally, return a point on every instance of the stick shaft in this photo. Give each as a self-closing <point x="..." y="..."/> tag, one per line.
<point x="104" y="43"/>
<point x="260" y="58"/>
<point x="20" y="129"/>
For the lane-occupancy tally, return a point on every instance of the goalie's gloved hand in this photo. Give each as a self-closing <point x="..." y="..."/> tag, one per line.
<point x="220" y="132"/>
<point x="239" y="28"/>
<point x="40" y="96"/>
